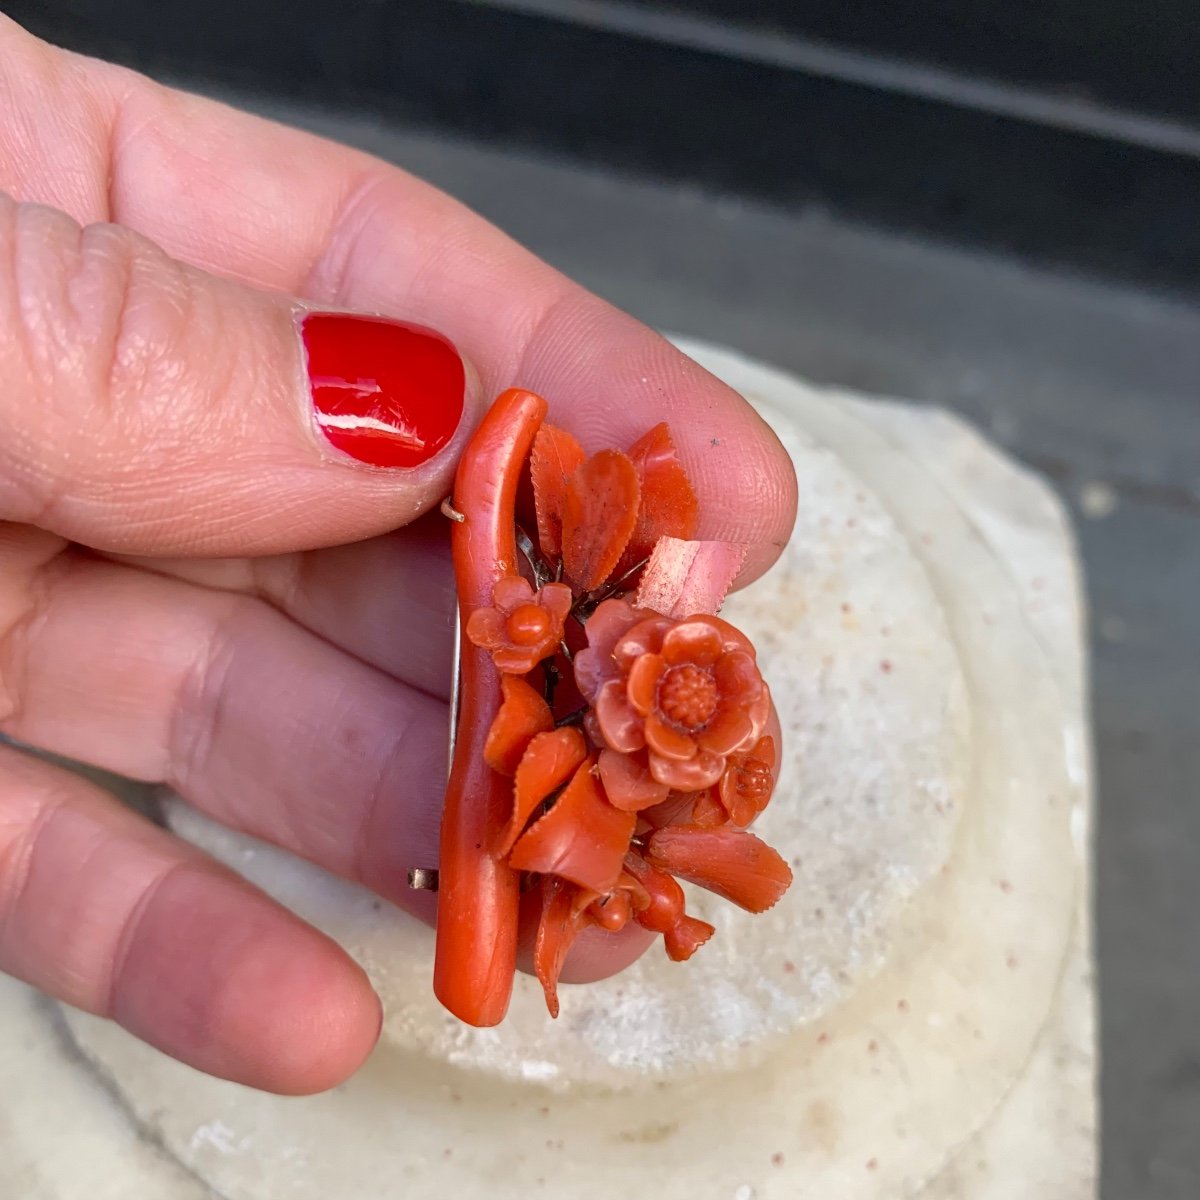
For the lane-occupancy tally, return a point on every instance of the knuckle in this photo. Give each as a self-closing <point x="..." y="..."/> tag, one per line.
<point x="201" y="701"/>
<point x="25" y="816"/>
<point x="50" y="334"/>
<point x="24" y="612"/>
<point x="90" y="318"/>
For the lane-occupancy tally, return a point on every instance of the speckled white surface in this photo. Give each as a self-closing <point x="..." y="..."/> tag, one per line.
<point x="920" y="1033"/>
<point x="1043" y="1140"/>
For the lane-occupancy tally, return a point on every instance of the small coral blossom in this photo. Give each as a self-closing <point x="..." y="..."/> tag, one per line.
<point x="523" y="626"/>
<point x="687" y="692"/>
<point x="748" y="782"/>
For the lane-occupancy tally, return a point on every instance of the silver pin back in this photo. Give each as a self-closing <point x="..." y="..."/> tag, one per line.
<point x="448" y="510"/>
<point x="455" y="687"/>
<point x="425" y="879"/>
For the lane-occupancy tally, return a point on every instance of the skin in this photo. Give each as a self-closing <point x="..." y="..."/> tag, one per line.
<point x="196" y="589"/>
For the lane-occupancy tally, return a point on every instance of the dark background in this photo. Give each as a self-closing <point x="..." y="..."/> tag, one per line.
<point x="732" y="96"/>
<point x="992" y="206"/>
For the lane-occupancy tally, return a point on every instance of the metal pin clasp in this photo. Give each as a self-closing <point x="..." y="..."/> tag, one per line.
<point x="448" y="510"/>
<point x="423" y="879"/>
<point x="455" y="689"/>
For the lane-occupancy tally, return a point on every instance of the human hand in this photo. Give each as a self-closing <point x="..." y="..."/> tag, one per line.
<point x="197" y="587"/>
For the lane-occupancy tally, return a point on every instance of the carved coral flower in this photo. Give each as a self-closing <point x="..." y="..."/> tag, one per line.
<point x="748" y="782"/>
<point x="688" y="693"/>
<point x="523" y="626"/>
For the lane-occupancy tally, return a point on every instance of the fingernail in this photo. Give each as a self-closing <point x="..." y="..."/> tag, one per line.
<point x="384" y="392"/>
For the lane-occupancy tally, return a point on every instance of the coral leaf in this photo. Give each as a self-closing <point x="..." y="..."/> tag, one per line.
<point x="669" y="507"/>
<point x="686" y="938"/>
<point x="523" y="714"/>
<point x="551" y="759"/>
<point x="598" y="517"/>
<point x="556" y="457"/>
<point x="730" y="862"/>
<point x="582" y="838"/>
<point x="685" y="578"/>
<point x="559" y="925"/>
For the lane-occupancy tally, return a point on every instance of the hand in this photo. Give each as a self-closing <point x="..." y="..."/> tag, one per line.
<point x="199" y="587"/>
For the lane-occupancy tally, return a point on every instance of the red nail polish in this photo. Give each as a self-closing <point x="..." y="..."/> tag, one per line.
<point x="385" y="392"/>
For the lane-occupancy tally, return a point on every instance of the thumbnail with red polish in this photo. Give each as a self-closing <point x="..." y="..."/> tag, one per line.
<point x="385" y="392"/>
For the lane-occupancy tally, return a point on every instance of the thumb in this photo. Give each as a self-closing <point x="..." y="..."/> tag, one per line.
<point x="147" y="407"/>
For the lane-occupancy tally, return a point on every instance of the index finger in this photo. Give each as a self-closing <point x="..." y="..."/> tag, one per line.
<point x="281" y="209"/>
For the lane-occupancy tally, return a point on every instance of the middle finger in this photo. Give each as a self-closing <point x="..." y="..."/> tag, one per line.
<point x="388" y="601"/>
<point x="258" y="722"/>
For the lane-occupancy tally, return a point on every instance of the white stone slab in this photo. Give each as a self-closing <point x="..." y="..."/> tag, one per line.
<point x="916" y="1019"/>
